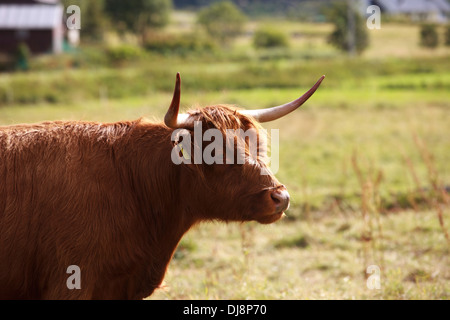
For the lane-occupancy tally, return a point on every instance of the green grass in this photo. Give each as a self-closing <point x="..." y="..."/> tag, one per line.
<point x="370" y="77"/>
<point x="266" y="262"/>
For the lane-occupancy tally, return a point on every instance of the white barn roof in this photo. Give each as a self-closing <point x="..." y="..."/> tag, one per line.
<point x="30" y="16"/>
<point x="414" y="6"/>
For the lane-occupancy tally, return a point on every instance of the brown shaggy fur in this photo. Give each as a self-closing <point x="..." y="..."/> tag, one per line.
<point x="107" y="198"/>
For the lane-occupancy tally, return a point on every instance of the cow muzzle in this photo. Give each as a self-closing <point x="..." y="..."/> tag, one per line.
<point x="276" y="203"/>
<point x="280" y="199"/>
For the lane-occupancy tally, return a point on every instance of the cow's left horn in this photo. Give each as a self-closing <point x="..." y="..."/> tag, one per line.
<point x="266" y="115"/>
<point x="172" y="119"/>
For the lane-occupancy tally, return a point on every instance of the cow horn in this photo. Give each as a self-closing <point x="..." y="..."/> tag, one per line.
<point x="172" y="119"/>
<point x="266" y="115"/>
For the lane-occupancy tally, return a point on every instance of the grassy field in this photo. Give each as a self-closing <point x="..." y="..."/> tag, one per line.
<point x="323" y="257"/>
<point x="365" y="160"/>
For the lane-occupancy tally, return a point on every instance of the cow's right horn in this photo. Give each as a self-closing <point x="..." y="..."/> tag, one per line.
<point x="270" y="114"/>
<point x="172" y="119"/>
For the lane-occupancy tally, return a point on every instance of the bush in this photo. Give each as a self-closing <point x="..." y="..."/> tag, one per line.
<point x="429" y="36"/>
<point x="23" y="57"/>
<point x="123" y="53"/>
<point x="182" y="45"/>
<point x="270" y="38"/>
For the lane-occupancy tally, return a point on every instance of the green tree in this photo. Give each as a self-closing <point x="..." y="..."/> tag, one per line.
<point x="350" y="31"/>
<point x="429" y="36"/>
<point x="223" y="21"/>
<point x="138" y="15"/>
<point x="94" y="21"/>
<point x="447" y="35"/>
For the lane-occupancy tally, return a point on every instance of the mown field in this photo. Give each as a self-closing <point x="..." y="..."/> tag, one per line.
<point x="366" y="160"/>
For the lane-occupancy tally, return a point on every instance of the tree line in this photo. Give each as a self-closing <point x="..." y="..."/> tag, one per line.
<point x="224" y="20"/>
<point x="139" y="15"/>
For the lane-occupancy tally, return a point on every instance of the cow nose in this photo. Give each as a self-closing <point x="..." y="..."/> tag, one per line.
<point x="281" y="199"/>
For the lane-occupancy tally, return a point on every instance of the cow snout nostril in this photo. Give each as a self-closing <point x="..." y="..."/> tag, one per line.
<point x="281" y="200"/>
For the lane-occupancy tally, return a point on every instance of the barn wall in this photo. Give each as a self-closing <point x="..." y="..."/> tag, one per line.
<point x="38" y="41"/>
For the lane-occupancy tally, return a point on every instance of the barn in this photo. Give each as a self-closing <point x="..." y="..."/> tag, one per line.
<point x="38" y="24"/>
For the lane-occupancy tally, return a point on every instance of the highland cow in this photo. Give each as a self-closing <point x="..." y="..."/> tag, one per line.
<point x="107" y="198"/>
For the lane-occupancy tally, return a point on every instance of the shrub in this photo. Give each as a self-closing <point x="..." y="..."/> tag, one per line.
<point x="23" y="57"/>
<point x="123" y="53"/>
<point x="270" y="38"/>
<point x="178" y="44"/>
<point x="429" y="36"/>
